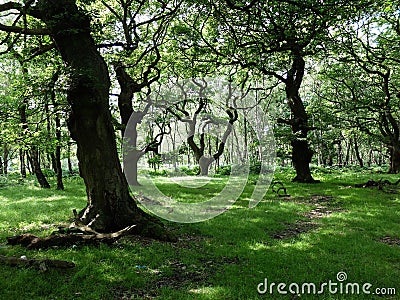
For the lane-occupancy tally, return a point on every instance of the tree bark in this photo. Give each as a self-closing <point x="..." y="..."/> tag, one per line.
<point x="37" y="170"/>
<point x="348" y="151"/>
<point x="70" y="171"/>
<point x="5" y="159"/>
<point x="22" y="162"/>
<point x="109" y="206"/>
<point x="357" y="152"/>
<point x="301" y="152"/>
<point x="394" y="160"/>
<point x="128" y="88"/>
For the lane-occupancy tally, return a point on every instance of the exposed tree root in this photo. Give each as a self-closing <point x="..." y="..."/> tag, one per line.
<point x="66" y="237"/>
<point x="40" y="264"/>
<point x="78" y="233"/>
<point x="380" y="184"/>
<point x="393" y="241"/>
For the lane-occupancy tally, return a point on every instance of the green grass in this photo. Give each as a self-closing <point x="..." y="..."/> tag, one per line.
<point x="222" y="258"/>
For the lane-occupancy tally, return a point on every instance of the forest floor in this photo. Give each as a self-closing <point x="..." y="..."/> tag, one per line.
<point x="318" y="234"/>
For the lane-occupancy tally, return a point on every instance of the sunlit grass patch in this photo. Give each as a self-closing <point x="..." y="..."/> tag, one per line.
<point x="222" y="258"/>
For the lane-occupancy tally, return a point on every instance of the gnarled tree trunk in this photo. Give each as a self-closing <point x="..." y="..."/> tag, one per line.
<point x="109" y="206"/>
<point x="301" y="152"/>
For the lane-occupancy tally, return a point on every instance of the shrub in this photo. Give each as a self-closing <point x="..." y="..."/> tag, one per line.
<point x="223" y="170"/>
<point x="159" y="173"/>
<point x="190" y="171"/>
<point x="48" y="172"/>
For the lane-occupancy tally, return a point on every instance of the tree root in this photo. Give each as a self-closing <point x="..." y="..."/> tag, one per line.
<point x="380" y="184"/>
<point x="66" y="237"/>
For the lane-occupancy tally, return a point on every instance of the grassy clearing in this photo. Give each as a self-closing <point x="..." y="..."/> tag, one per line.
<point x="223" y="258"/>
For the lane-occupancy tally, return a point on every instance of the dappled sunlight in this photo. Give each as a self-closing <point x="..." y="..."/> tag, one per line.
<point x="209" y="292"/>
<point x="230" y="253"/>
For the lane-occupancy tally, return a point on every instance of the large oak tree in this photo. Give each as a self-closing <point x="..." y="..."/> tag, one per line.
<point x="109" y="206"/>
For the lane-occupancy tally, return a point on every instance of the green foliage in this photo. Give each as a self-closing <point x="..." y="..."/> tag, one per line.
<point x="223" y="170"/>
<point x="191" y="171"/>
<point x="162" y="172"/>
<point x="10" y="180"/>
<point x="48" y="172"/>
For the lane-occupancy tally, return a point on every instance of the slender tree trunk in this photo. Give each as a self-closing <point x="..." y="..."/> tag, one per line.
<point x="57" y="121"/>
<point x="33" y="151"/>
<point x="37" y="169"/>
<point x="50" y="155"/>
<point x="22" y="162"/>
<point x="340" y="153"/>
<point x="110" y="206"/>
<point x="1" y="166"/>
<point x="34" y="155"/>
<point x="370" y="156"/>
<point x="348" y="151"/>
<point x="70" y="170"/>
<point x="357" y="152"/>
<point x="51" y="158"/>
<point x="5" y="159"/>
<point x="29" y="165"/>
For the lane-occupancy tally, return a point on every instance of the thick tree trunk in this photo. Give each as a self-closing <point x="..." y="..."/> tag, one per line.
<point x="301" y="152"/>
<point x="394" y="160"/>
<point x="109" y="207"/>
<point x="204" y="164"/>
<point x="1" y="166"/>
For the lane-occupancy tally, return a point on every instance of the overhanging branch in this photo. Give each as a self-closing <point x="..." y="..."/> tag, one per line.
<point x="28" y="31"/>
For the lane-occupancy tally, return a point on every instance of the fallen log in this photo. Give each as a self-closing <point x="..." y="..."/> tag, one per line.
<point x="40" y="264"/>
